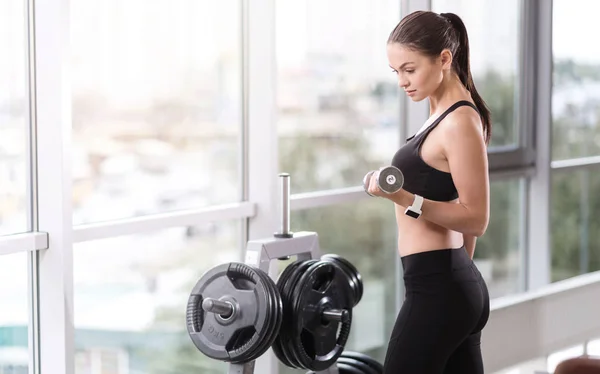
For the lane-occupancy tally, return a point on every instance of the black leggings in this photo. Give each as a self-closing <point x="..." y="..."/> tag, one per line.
<point x="438" y="328"/>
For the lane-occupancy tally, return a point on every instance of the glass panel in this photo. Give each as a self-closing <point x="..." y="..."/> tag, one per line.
<point x="494" y="39"/>
<point x="14" y="314"/>
<point x="576" y="81"/>
<point x="156" y="106"/>
<point x="368" y="240"/>
<point x="338" y="103"/>
<point x="14" y="123"/>
<point x="575" y="223"/>
<point x="499" y="252"/>
<point x="131" y="294"/>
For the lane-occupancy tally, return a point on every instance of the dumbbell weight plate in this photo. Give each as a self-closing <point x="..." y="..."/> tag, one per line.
<point x="283" y="285"/>
<point x="256" y="349"/>
<point x="291" y="345"/>
<point x="376" y="365"/>
<point x="348" y="369"/>
<point x="286" y="283"/>
<point x="354" y="277"/>
<point x="390" y="179"/>
<point x="317" y="343"/>
<point x="285" y="274"/>
<point x="361" y="366"/>
<point x="276" y="308"/>
<point x="233" y="339"/>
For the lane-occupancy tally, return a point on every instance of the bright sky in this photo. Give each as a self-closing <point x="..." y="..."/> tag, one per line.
<point x="575" y="30"/>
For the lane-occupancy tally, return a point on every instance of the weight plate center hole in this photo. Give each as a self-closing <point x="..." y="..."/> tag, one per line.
<point x="228" y="315"/>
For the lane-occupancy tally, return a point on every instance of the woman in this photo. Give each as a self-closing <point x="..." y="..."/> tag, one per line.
<point x="444" y="203"/>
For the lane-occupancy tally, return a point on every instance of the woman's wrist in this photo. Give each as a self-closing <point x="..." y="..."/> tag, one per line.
<point x="403" y="198"/>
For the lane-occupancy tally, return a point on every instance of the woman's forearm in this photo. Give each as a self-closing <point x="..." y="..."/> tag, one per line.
<point x="452" y="216"/>
<point x="469" y="242"/>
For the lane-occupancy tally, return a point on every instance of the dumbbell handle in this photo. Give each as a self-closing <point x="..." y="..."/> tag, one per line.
<point x="223" y="308"/>
<point x="336" y="315"/>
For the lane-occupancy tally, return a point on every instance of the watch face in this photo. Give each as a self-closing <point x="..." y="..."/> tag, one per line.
<point x="412" y="214"/>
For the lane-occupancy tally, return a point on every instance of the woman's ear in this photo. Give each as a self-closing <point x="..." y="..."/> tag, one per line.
<point x="446" y="59"/>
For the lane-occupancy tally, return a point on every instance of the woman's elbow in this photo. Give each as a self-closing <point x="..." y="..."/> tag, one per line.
<point x="480" y="225"/>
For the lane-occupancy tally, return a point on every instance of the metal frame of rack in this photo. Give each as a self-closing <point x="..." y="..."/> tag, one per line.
<point x="283" y="244"/>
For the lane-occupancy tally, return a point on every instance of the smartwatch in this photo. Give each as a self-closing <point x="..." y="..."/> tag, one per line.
<point x="414" y="210"/>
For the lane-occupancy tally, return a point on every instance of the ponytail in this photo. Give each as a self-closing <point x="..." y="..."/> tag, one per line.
<point x="462" y="67"/>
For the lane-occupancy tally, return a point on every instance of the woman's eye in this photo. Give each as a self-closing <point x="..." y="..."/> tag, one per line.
<point x="410" y="71"/>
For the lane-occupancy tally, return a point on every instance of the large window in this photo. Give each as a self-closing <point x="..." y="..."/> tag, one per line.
<point x="499" y="253"/>
<point x="575" y="134"/>
<point x="131" y="294"/>
<point x="364" y="232"/>
<point x="575" y="223"/>
<point x="494" y="39"/>
<point x="576" y="81"/>
<point x="14" y="312"/>
<point x="157" y="103"/>
<point x="337" y="100"/>
<point x="14" y="109"/>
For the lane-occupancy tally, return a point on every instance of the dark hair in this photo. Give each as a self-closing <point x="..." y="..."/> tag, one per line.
<point x="430" y="33"/>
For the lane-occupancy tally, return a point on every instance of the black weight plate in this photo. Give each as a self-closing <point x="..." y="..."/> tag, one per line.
<point x="390" y="179"/>
<point x="348" y="369"/>
<point x="289" y="347"/>
<point x="253" y="353"/>
<point x="279" y="311"/>
<point x="285" y="285"/>
<point x="229" y="340"/>
<point x="347" y="266"/>
<point x="261" y="346"/>
<point x="364" y="358"/>
<point x="352" y="278"/>
<point x="275" y="316"/>
<point x="353" y="274"/>
<point x="356" y="274"/>
<point x="281" y="281"/>
<point x="317" y="344"/>
<point x="364" y="368"/>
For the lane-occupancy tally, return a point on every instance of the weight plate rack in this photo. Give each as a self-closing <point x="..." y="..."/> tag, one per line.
<point x="282" y="245"/>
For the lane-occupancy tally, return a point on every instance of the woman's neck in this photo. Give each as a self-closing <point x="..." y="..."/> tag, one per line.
<point x="449" y="92"/>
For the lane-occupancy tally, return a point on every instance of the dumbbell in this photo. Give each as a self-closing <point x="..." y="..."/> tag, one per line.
<point x="389" y="179"/>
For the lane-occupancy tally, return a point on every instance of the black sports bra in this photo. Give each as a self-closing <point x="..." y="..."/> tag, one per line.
<point x="419" y="177"/>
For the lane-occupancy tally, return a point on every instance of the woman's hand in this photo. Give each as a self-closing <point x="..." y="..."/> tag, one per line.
<point x="374" y="187"/>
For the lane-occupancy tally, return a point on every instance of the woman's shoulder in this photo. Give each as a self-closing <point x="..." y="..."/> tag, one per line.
<point x="462" y="121"/>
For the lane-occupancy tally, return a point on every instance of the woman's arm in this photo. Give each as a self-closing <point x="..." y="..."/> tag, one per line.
<point x="465" y="150"/>
<point x="469" y="242"/>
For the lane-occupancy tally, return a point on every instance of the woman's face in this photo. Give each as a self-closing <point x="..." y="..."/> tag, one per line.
<point x="418" y="75"/>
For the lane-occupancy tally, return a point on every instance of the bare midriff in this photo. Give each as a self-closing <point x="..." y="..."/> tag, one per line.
<point x="420" y="235"/>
